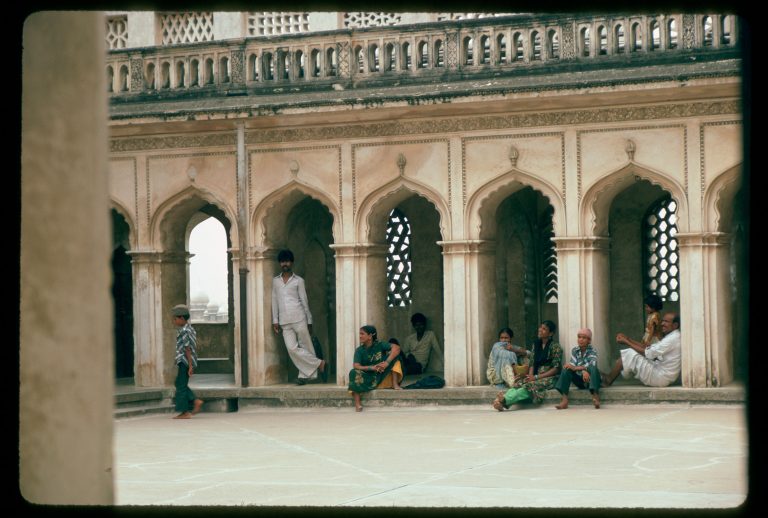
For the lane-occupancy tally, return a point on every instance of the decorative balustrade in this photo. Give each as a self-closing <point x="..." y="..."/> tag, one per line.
<point x="427" y="49"/>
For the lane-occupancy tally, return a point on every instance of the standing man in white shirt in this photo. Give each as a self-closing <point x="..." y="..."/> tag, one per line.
<point x="292" y="318"/>
<point x="656" y="365"/>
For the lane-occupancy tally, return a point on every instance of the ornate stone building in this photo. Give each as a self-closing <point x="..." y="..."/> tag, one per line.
<point x="485" y="171"/>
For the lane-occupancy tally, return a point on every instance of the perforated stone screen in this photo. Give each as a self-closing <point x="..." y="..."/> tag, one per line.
<point x="269" y="23"/>
<point x="187" y="27"/>
<point x="361" y="19"/>
<point x="398" y="259"/>
<point x="663" y="257"/>
<point x="117" y="32"/>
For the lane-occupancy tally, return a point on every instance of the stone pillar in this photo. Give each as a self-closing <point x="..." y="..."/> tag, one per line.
<point x="705" y="309"/>
<point x="693" y="311"/>
<point x="148" y="364"/>
<point x="347" y="317"/>
<point x="583" y="268"/>
<point x="263" y="355"/>
<point x="66" y="354"/>
<point x="468" y="278"/>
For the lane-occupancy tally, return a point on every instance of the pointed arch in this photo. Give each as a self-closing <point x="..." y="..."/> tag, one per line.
<point x="264" y="216"/>
<point x="719" y="199"/>
<point x="596" y="202"/>
<point x="482" y="205"/>
<point x="180" y="208"/>
<point x="386" y="198"/>
<point x="126" y="214"/>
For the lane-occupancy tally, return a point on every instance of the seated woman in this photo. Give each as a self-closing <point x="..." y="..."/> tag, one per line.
<point x="503" y="360"/>
<point x="375" y="366"/>
<point x="545" y="362"/>
<point x="419" y="347"/>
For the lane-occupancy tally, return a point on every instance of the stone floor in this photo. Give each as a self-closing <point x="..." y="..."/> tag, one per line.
<point x="663" y="456"/>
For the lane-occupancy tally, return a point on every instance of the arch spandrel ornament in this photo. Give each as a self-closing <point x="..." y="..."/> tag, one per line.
<point x="266" y="217"/>
<point x="386" y="198"/>
<point x="129" y="220"/>
<point x="482" y="205"/>
<point x="596" y="202"/>
<point x="719" y="199"/>
<point x="178" y="209"/>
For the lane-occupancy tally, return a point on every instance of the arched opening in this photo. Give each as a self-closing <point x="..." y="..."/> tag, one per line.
<point x="602" y="38"/>
<point x="672" y="34"/>
<point x="726" y="30"/>
<point x="314" y="63"/>
<point x="518" y="53"/>
<point x="194" y="73"/>
<point x="584" y="41"/>
<point x="299" y="64"/>
<point x="410" y="273"/>
<point x="267" y="66"/>
<point x="123" y="78"/>
<point x="422" y="54"/>
<point x="330" y="62"/>
<point x="149" y="77"/>
<point x="405" y="56"/>
<point x="122" y="296"/>
<point x="535" y="46"/>
<point x="110" y="78"/>
<point x="619" y="39"/>
<point x="501" y="49"/>
<point x="389" y="57"/>
<point x="525" y="267"/>
<point x="359" y="59"/>
<point x="636" y="37"/>
<point x="209" y="71"/>
<point x="373" y="58"/>
<point x="553" y="44"/>
<point x="467" y="51"/>
<point x="439" y="54"/>
<point x="635" y="223"/>
<point x="253" y="67"/>
<point x="485" y="46"/>
<point x="655" y="36"/>
<point x="215" y="339"/>
<point x="736" y="225"/>
<point x="707" y="32"/>
<point x="224" y="70"/>
<point x="165" y="75"/>
<point x="305" y="226"/>
<point x="180" y="74"/>
<point x="210" y="290"/>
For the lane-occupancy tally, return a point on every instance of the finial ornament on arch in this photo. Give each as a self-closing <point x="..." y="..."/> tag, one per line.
<point x="630" y="148"/>
<point x="401" y="163"/>
<point x="514" y="154"/>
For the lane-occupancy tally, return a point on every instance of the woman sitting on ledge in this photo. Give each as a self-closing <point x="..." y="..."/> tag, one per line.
<point x="504" y="359"/>
<point x="375" y="366"/>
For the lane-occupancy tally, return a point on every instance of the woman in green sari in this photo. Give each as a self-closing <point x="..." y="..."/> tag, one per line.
<point x="375" y="366"/>
<point x="545" y="362"/>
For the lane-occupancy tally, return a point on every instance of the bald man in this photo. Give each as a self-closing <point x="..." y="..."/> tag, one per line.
<point x="581" y="370"/>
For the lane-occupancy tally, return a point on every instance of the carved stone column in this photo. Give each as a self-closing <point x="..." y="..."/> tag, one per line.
<point x="705" y="309"/>
<point x="470" y="303"/>
<point x="264" y="357"/>
<point x="583" y="269"/>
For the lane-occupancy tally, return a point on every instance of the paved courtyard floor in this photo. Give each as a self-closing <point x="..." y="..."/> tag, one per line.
<point x="639" y="456"/>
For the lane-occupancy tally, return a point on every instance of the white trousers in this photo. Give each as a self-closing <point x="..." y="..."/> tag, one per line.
<point x="300" y="349"/>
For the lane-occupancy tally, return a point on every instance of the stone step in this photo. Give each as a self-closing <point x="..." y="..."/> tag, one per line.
<point x="146" y="409"/>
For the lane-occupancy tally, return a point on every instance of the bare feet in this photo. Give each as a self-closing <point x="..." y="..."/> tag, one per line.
<point x="358" y="409"/>
<point x="323" y="371"/>
<point x="498" y="403"/>
<point x="596" y="400"/>
<point x="604" y="379"/>
<point x="198" y="405"/>
<point x="563" y="404"/>
<point x="184" y="415"/>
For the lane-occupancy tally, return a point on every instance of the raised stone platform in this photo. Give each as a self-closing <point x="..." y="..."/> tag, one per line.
<point x="220" y="395"/>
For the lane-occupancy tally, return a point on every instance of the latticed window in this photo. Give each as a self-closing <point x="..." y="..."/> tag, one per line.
<point x="467" y="16"/>
<point x="269" y="23"/>
<point x="398" y="259"/>
<point x="549" y="265"/>
<point x="117" y="32"/>
<point x="187" y="27"/>
<point x="361" y="19"/>
<point x="662" y="256"/>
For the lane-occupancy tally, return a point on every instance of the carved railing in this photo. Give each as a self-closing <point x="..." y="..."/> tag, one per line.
<point x="468" y="47"/>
